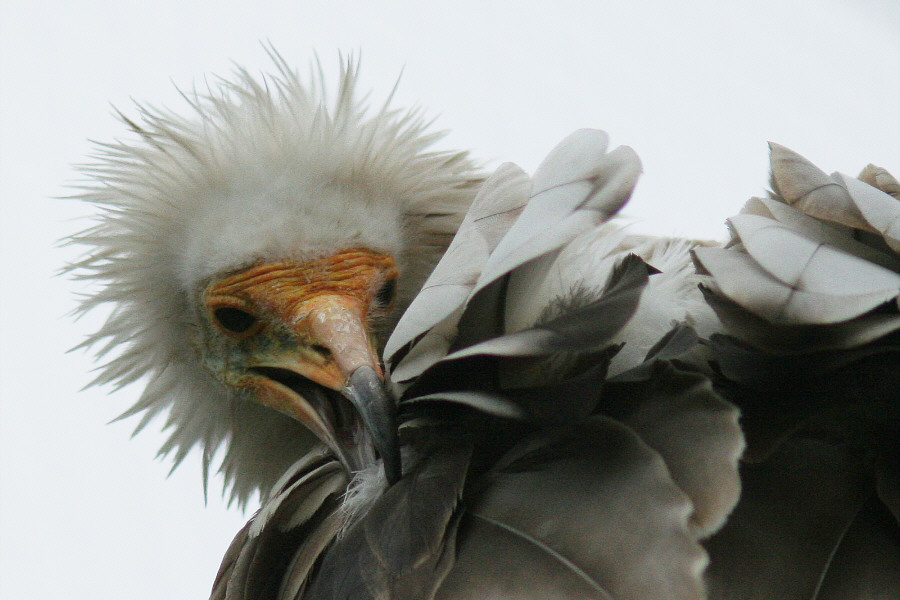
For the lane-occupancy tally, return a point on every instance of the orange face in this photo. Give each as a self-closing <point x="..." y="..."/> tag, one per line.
<point x="282" y="325"/>
<point x="282" y="288"/>
<point x="326" y="303"/>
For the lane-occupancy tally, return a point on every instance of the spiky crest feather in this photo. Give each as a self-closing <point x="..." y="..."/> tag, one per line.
<point x="261" y="169"/>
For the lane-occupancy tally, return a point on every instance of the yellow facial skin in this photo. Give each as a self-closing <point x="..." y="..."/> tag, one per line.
<point x="278" y="321"/>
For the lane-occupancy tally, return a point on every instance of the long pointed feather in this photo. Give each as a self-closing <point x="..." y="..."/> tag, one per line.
<point x="811" y="190"/>
<point x="555" y="216"/>
<point x="741" y="279"/>
<point x="497" y="204"/>
<point x="810" y="264"/>
<point x="880" y="210"/>
<point x="827" y="233"/>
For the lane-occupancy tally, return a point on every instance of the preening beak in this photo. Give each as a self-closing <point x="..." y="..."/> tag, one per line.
<point x="338" y="324"/>
<point x="311" y="355"/>
<point x="368" y="394"/>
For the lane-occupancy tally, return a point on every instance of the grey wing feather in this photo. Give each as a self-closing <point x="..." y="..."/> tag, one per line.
<point x="697" y="433"/>
<point x="402" y="548"/>
<point x="264" y="561"/>
<point x="524" y="537"/>
<point x="794" y="513"/>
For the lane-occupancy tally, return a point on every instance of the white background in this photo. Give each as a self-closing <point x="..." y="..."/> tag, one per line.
<point x="697" y="88"/>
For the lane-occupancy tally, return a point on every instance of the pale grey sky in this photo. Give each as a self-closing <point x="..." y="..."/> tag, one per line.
<point x="696" y="88"/>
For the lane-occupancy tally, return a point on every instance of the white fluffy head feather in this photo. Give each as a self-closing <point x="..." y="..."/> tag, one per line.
<point x="260" y="169"/>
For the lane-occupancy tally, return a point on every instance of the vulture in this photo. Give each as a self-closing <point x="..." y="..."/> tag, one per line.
<point x="447" y="384"/>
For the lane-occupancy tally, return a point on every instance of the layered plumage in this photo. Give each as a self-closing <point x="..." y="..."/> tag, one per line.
<point x="561" y="390"/>
<point x="529" y="475"/>
<point x="808" y="289"/>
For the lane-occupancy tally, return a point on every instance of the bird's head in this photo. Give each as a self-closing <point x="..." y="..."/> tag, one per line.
<point x="296" y="336"/>
<point x="257" y="253"/>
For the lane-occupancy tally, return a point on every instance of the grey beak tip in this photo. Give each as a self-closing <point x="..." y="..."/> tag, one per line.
<point x="377" y="409"/>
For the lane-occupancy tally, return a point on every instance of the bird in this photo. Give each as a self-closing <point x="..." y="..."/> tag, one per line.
<point x="442" y="383"/>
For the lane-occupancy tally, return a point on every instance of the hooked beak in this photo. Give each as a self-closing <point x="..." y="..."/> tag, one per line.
<point x="367" y="393"/>
<point x="338" y="324"/>
<point x="345" y="361"/>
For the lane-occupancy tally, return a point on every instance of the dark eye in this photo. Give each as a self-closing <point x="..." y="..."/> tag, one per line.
<point x="234" y="320"/>
<point x="384" y="297"/>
